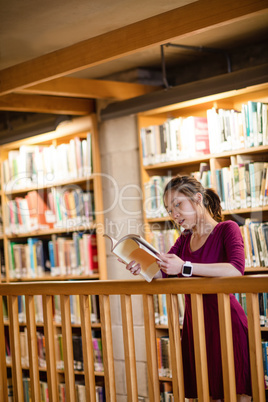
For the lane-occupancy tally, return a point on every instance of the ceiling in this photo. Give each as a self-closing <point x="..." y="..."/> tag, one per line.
<point x="32" y="28"/>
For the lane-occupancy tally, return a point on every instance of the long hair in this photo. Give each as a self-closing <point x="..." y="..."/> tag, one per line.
<point x="189" y="186"/>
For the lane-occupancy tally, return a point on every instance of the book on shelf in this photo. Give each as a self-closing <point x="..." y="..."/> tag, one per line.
<point x="94" y="308"/>
<point x="41" y="349"/>
<point x="162" y="305"/>
<point x="38" y="210"/>
<point x="153" y="189"/>
<point x="59" y="352"/>
<point x="263" y="306"/>
<point x="44" y="391"/>
<point x="134" y="247"/>
<point x="27" y="393"/>
<point x="243" y="184"/>
<point x="75" y="309"/>
<point x="21" y="308"/>
<point x="5" y="308"/>
<point x="176" y="139"/>
<point x="166" y="394"/>
<point x="7" y="347"/>
<point x="80" y="391"/>
<point x="194" y="136"/>
<point x="264" y="345"/>
<point x="9" y="389"/>
<point x="230" y="129"/>
<point x="163" y="354"/>
<point x="78" y="353"/>
<point x="61" y="387"/>
<point x="76" y="255"/>
<point x="49" y="209"/>
<point x="24" y="352"/>
<point x="163" y="240"/>
<point x="98" y="354"/>
<point x="160" y="309"/>
<point x="33" y="165"/>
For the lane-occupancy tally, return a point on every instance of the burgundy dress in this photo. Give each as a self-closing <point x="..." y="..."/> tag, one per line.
<point x="224" y="244"/>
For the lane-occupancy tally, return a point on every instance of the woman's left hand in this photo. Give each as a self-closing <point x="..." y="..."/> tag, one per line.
<point x="171" y="264"/>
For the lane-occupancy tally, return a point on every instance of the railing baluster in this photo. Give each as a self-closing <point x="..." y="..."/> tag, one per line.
<point x="175" y="347"/>
<point x="227" y="350"/>
<point x="129" y="348"/>
<point x="200" y="347"/>
<point x="107" y="344"/>
<point x="221" y="286"/>
<point x="3" y="369"/>
<point x="67" y="343"/>
<point x="88" y="355"/>
<point x="50" y="349"/>
<point x="255" y="349"/>
<point x="151" y="349"/>
<point x="32" y="348"/>
<point x="14" y="334"/>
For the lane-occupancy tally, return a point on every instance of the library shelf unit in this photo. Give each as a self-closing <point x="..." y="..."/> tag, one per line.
<point x="151" y="169"/>
<point x="57" y="203"/>
<point x="231" y="100"/>
<point x="63" y="215"/>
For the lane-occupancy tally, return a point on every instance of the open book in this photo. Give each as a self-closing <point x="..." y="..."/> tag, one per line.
<point x="134" y="247"/>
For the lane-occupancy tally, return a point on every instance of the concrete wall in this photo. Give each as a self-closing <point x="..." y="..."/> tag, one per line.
<point x="123" y="214"/>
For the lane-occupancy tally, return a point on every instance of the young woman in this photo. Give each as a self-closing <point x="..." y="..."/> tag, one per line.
<point x="212" y="248"/>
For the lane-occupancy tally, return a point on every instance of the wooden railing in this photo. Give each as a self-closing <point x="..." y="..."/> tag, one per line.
<point x="251" y="285"/>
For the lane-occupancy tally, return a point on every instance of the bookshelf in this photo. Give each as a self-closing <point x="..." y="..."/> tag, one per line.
<point x="52" y="205"/>
<point x="164" y="153"/>
<point x="52" y="185"/>
<point x="174" y="120"/>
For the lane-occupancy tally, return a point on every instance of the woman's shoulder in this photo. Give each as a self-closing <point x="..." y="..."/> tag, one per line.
<point x="228" y="229"/>
<point x="227" y="225"/>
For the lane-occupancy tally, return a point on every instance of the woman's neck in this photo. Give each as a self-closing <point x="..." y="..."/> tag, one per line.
<point x="205" y="225"/>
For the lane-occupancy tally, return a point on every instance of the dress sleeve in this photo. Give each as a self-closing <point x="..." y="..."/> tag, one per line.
<point x="234" y="246"/>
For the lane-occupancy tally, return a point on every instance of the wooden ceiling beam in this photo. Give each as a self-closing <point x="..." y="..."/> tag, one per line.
<point x="182" y="22"/>
<point x="85" y="88"/>
<point x="46" y="104"/>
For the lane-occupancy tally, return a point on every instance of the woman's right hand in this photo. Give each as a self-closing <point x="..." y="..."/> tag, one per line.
<point x="133" y="267"/>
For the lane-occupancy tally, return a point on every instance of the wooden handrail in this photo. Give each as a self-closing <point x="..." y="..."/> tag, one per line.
<point x="238" y="284"/>
<point x="196" y="287"/>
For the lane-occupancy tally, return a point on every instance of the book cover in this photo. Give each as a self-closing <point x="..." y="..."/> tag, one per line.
<point x="133" y="247"/>
<point x="265" y="360"/>
<point x="79" y="156"/>
<point x="263" y="184"/>
<point x="38" y="208"/>
<point x="31" y="243"/>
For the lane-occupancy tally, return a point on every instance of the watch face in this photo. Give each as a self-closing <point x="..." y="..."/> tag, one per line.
<point x="187" y="269"/>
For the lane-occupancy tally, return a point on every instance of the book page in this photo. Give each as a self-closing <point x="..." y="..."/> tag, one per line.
<point x="143" y="242"/>
<point x="113" y="241"/>
<point x="129" y="250"/>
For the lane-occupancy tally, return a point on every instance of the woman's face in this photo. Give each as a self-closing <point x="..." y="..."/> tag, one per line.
<point x="181" y="209"/>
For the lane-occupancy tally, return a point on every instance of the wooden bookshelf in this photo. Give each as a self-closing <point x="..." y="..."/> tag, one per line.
<point x="88" y="181"/>
<point x="187" y="165"/>
<point x="82" y="134"/>
<point x="232" y="100"/>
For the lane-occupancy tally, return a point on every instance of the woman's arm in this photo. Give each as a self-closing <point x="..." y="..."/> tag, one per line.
<point x="171" y="264"/>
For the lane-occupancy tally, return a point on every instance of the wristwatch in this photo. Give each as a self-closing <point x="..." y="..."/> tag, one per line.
<point x="187" y="269"/>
